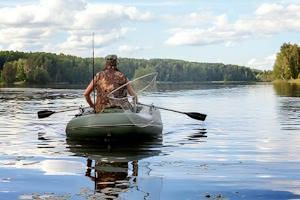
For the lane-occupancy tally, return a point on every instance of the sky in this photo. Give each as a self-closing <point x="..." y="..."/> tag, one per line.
<point x="242" y="32"/>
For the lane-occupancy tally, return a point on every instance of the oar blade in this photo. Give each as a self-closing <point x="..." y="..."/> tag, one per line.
<point x="197" y="116"/>
<point x="44" y="113"/>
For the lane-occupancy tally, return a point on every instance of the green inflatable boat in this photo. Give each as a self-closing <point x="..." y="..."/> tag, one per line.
<point x="115" y="123"/>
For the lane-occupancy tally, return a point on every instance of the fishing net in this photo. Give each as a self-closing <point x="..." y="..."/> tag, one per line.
<point x="139" y="115"/>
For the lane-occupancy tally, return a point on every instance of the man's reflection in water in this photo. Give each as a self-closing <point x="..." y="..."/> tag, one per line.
<point x="114" y="167"/>
<point x="111" y="178"/>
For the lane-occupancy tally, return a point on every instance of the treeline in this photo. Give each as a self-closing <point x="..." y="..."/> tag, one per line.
<point x="263" y="76"/>
<point x="42" y="68"/>
<point x="287" y="64"/>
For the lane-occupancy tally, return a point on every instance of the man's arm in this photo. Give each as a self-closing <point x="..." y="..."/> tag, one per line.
<point x="88" y="92"/>
<point x="131" y="90"/>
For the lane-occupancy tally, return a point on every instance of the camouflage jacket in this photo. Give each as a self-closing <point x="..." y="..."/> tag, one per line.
<point x="105" y="82"/>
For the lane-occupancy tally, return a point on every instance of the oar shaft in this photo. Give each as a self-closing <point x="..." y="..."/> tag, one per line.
<point x="162" y="108"/>
<point x="60" y="111"/>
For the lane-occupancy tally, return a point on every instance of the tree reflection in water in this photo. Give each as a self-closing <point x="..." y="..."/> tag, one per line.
<point x="287" y="89"/>
<point x="289" y="105"/>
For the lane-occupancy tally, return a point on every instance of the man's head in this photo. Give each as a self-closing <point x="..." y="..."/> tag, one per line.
<point x="111" y="60"/>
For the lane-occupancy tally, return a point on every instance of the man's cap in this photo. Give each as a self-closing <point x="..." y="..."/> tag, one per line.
<point x="111" y="57"/>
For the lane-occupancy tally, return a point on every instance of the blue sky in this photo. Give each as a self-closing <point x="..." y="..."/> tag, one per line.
<point x="247" y="33"/>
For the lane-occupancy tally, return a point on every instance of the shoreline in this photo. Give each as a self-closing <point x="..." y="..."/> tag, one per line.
<point x="291" y="81"/>
<point x="66" y="85"/>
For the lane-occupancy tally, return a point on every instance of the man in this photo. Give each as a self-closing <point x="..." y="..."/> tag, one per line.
<point x="106" y="81"/>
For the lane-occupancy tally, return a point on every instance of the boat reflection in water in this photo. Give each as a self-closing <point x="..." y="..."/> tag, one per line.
<point x="113" y="167"/>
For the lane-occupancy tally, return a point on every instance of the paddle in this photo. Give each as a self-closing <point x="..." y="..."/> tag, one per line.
<point x="194" y="115"/>
<point x="47" y="113"/>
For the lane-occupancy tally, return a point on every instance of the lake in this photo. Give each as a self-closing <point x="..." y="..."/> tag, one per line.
<point x="248" y="147"/>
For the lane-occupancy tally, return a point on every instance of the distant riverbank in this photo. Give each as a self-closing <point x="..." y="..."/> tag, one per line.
<point x="44" y="68"/>
<point x="54" y="85"/>
<point x="82" y="86"/>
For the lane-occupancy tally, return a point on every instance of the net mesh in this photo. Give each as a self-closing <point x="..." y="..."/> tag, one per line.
<point x="139" y="115"/>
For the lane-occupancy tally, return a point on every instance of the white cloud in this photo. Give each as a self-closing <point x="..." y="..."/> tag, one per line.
<point x="160" y="3"/>
<point x="201" y="18"/>
<point x="17" y="45"/>
<point x="36" y="26"/>
<point x="24" y="38"/>
<point x="106" y="21"/>
<point x="128" y="49"/>
<point x="82" y="40"/>
<point x="49" y="47"/>
<point x="229" y="44"/>
<point x="266" y="9"/>
<point x="190" y="34"/>
<point x="265" y="63"/>
<point x="30" y="27"/>
<point x="46" y="13"/>
<point x="267" y="20"/>
<point x="108" y="17"/>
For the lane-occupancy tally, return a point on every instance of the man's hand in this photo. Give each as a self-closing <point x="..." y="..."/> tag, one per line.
<point x="135" y="99"/>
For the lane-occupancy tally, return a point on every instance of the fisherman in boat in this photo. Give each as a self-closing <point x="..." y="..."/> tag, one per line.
<point x="106" y="81"/>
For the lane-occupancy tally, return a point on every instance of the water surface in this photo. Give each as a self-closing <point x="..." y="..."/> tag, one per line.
<point x="248" y="148"/>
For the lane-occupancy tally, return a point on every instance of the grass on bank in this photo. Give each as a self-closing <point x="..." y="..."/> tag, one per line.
<point x="18" y="83"/>
<point x="294" y="81"/>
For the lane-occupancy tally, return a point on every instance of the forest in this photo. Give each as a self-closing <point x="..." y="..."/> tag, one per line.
<point x="44" y="68"/>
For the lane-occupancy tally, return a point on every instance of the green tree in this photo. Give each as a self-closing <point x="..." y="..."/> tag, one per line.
<point x="40" y="76"/>
<point x="9" y="72"/>
<point x="7" y="56"/>
<point x="21" y="66"/>
<point x="1" y="80"/>
<point x="287" y="64"/>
